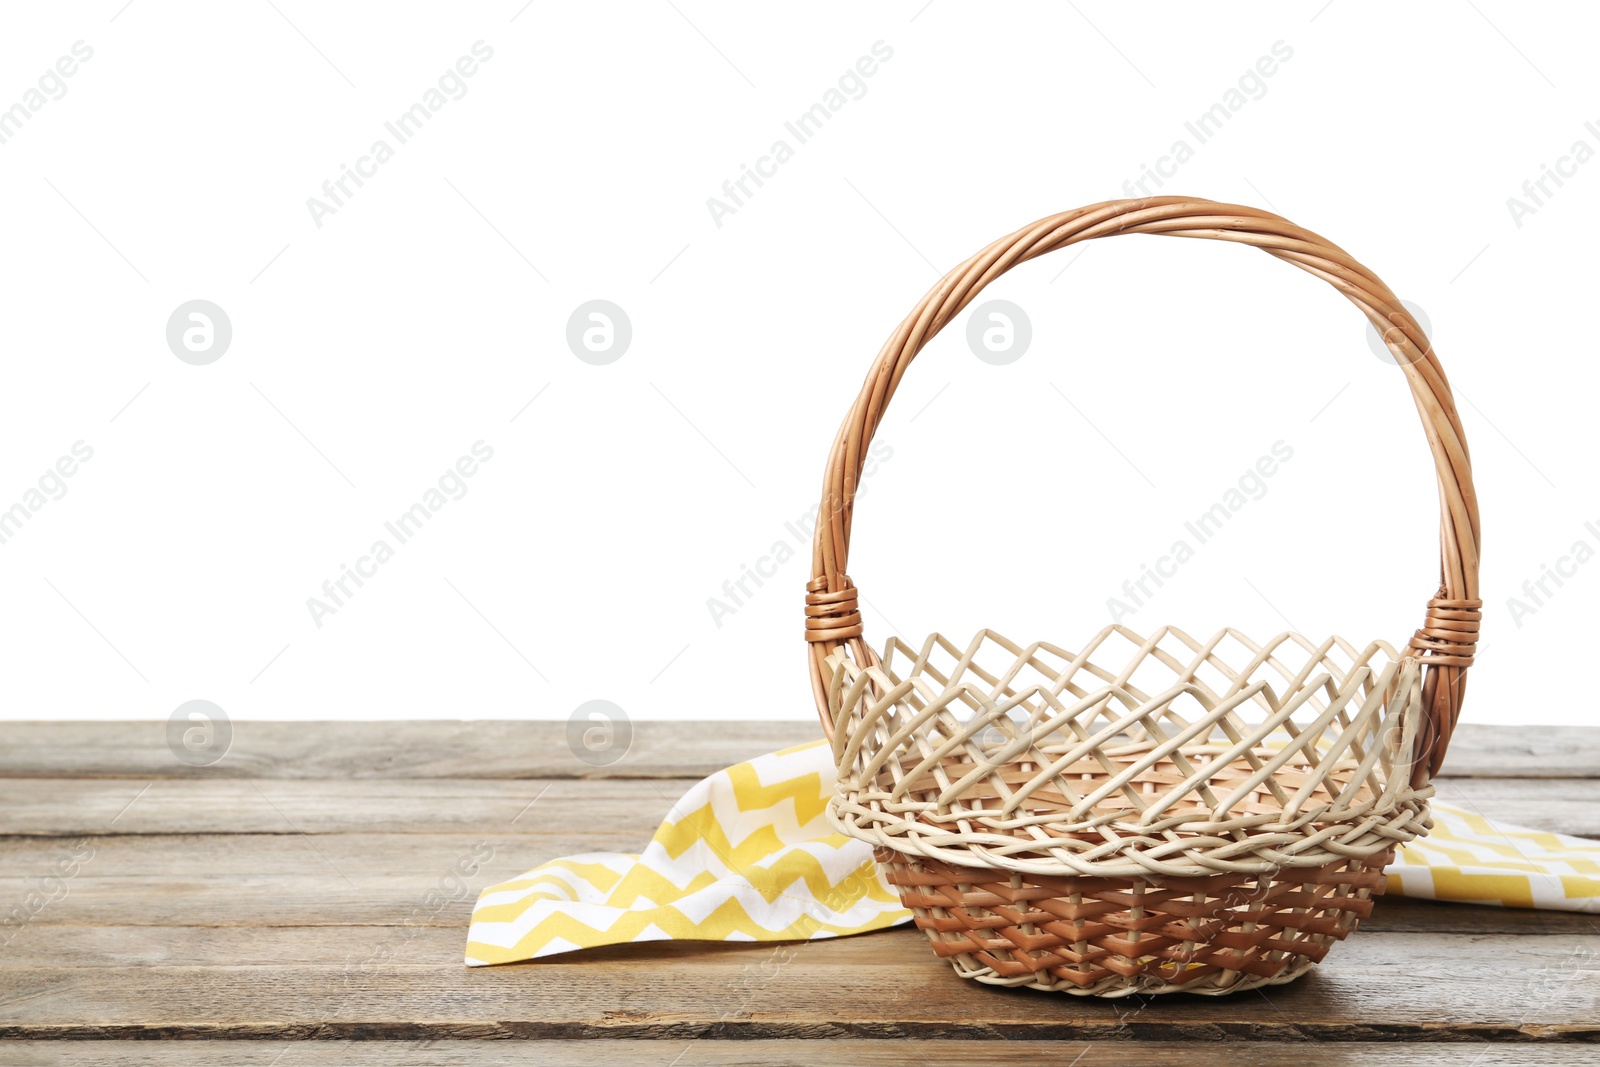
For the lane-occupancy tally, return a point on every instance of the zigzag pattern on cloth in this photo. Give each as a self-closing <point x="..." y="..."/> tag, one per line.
<point x="1473" y="859"/>
<point x="748" y="855"/>
<point x="745" y="855"/>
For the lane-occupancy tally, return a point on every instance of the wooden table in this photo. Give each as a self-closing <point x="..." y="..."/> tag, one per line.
<point x="295" y="904"/>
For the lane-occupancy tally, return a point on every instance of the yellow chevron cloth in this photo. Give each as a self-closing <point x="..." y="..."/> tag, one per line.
<point x="748" y="855"/>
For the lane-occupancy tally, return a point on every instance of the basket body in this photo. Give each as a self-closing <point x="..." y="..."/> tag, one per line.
<point x="1142" y="816"/>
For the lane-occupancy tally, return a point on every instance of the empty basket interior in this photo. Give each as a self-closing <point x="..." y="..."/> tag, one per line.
<point x="1154" y="734"/>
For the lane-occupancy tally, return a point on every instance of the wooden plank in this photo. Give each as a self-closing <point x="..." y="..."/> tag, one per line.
<point x="1559" y="805"/>
<point x="263" y="902"/>
<point x="259" y="880"/>
<point x="58" y="807"/>
<point x="63" y="807"/>
<point x="486" y="748"/>
<point x="497" y="748"/>
<point x="889" y="985"/>
<point x="1507" y="751"/>
<point x="841" y="1053"/>
<point x="435" y="932"/>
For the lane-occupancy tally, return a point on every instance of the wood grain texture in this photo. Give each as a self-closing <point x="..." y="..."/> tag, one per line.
<point x="798" y="1053"/>
<point x="317" y="891"/>
<point x="499" y="748"/>
<point x="257" y="881"/>
<point x="437" y="935"/>
<point x="65" y="807"/>
<point x="486" y="748"/>
<point x="888" y="985"/>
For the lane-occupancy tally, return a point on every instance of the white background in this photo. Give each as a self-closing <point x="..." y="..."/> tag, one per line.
<point x="372" y="351"/>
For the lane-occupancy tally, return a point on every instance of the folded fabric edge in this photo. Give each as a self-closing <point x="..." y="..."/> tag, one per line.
<point x="678" y="928"/>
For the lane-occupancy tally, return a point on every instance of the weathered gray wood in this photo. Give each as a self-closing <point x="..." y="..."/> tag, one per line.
<point x="255" y="900"/>
<point x="498" y="748"/>
<point x="839" y="1053"/>
<point x="487" y="748"/>
<point x="64" y="807"/>
<point x="359" y="880"/>
<point x="436" y="933"/>
<point x="1396" y="986"/>
<point x="1559" y="805"/>
<point x="1484" y="751"/>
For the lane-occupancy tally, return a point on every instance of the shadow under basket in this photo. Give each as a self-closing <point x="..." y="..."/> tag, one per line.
<point x="1204" y="817"/>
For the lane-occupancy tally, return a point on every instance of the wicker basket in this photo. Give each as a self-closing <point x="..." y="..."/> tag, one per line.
<point x="1144" y="814"/>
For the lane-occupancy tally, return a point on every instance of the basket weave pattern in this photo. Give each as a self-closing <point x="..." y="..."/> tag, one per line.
<point x="1146" y="814"/>
<point x="1114" y="937"/>
<point x="1023" y="799"/>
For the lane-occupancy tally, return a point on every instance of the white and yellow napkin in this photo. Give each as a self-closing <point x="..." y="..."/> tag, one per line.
<point x="748" y="855"/>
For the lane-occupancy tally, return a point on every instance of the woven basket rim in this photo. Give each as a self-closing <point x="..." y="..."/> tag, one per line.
<point x="1322" y="773"/>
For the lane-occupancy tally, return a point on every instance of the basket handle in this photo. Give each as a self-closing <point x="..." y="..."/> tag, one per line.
<point x="1448" y="636"/>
